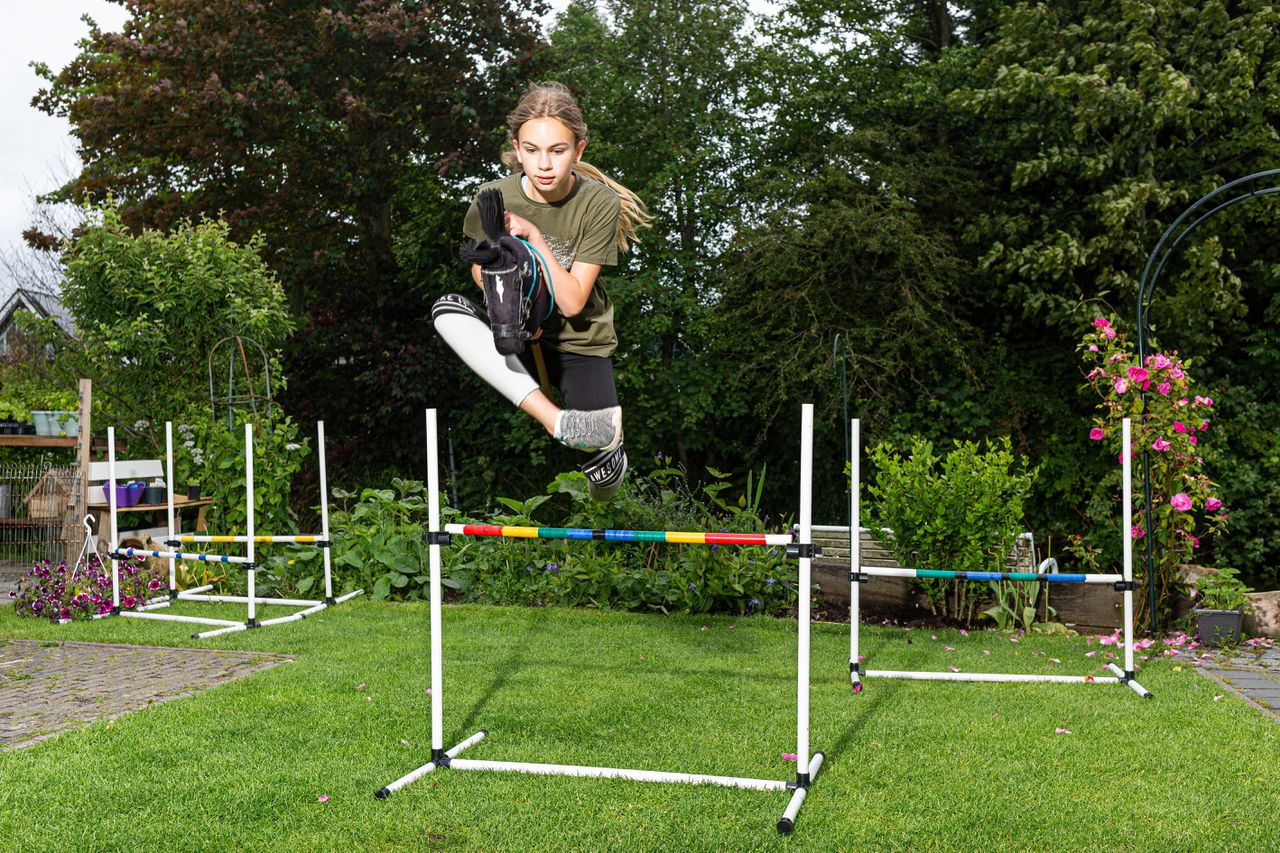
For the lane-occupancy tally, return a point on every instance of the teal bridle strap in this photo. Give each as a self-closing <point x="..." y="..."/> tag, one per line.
<point x="533" y="285"/>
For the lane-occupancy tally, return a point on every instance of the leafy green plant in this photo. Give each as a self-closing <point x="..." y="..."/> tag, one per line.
<point x="378" y="540"/>
<point x="961" y="512"/>
<point x="1221" y="590"/>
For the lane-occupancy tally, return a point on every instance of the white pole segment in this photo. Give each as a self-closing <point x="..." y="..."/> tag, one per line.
<point x="111" y="507"/>
<point x="1133" y="683"/>
<point x="168" y="481"/>
<point x="433" y="519"/>
<point x="806" y="537"/>
<point x="1126" y="492"/>
<point x="231" y="629"/>
<point x="171" y="617"/>
<point x="324" y="514"/>
<point x="618" y="773"/>
<point x="855" y="548"/>
<point x="989" y="676"/>
<point x="414" y="776"/>
<point x="788" y="820"/>
<point x="349" y="595"/>
<point x="244" y="599"/>
<point x="248" y="517"/>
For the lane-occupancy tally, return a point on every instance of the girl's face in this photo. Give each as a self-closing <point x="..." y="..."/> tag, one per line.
<point x="546" y="151"/>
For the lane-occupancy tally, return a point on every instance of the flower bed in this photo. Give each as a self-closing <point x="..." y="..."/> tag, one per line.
<point x="62" y="593"/>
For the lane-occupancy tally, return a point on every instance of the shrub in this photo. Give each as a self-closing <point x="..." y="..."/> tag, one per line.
<point x="958" y="513"/>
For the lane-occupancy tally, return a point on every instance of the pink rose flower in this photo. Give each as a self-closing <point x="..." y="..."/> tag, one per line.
<point x="1137" y="532"/>
<point x="1175" y="374"/>
<point x="1180" y="502"/>
<point x="1160" y="444"/>
<point x="1194" y="440"/>
<point x="1109" y="333"/>
<point x="1138" y="374"/>
<point x="1179" y="426"/>
<point x="1159" y="361"/>
<point x="1093" y="347"/>
<point x="1212" y="504"/>
<point x="1096" y="434"/>
<point x="1121" y="386"/>
<point x="1101" y="322"/>
<point x="1164" y="388"/>
<point x="1204" y="425"/>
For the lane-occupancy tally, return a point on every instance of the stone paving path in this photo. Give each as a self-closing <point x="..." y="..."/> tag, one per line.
<point x="1255" y="676"/>
<point x="47" y="687"/>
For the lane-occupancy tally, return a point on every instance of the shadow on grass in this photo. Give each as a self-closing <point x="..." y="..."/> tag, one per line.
<point x="515" y="662"/>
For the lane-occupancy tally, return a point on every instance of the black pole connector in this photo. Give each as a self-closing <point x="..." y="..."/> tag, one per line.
<point x="331" y="601"/>
<point x="440" y="758"/>
<point x="857" y="668"/>
<point x="323" y="543"/>
<point x="439" y="537"/>
<point x="1126" y="586"/>
<point x="803" y="550"/>
<point x="252" y="623"/>
<point x="382" y="793"/>
<point x="859" y="577"/>
<point x="803" y="780"/>
<point x="173" y="543"/>
<point x="785" y="826"/>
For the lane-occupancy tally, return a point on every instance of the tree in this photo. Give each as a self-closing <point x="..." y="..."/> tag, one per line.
<point x="1100" y="123"/>
<point x="300" y="120"/>
<point x="147" y="309"/>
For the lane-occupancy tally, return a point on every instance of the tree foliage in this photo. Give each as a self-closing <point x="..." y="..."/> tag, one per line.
<point x="149" y="307"/>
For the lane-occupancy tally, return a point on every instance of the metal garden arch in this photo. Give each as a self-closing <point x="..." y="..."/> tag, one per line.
<point x="1242" y="189"/>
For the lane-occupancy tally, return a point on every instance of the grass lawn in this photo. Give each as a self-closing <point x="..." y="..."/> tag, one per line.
<point x="909" y="765"/>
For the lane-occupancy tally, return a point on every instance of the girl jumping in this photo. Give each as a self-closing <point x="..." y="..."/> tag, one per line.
<point x="576" y="219"/>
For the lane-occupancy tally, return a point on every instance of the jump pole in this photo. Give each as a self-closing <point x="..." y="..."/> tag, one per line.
<point x="807" y="767"/>
<point x="859" y="574"/>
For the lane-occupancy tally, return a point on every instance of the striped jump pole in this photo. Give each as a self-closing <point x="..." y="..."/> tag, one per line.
<point x="859" y="574"/>
<point x="807" y="767"/>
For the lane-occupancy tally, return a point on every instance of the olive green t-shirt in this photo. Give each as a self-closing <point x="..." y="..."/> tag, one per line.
<point x="579" y="227"/>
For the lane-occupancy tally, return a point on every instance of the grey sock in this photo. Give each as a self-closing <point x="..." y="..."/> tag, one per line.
<point x="599" y="429"/>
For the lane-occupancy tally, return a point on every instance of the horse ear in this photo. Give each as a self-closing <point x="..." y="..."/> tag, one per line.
<point x="491" y="208"/>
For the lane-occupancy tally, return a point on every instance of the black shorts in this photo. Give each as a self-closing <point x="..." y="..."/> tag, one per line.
<point x="584" y="381"/>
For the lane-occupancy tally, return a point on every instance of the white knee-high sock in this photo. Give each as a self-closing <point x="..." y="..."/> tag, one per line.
<point x="472" y="340"/>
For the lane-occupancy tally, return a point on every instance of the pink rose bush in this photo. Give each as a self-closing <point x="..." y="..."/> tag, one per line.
<point x="1166" y="419"/>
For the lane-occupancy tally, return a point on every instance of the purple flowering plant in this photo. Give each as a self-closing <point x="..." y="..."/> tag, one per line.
<point x="62" y="593"/>
<point x="1169" y="421"/>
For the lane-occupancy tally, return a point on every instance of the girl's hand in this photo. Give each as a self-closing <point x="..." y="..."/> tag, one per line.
<point x="518" y="226"/>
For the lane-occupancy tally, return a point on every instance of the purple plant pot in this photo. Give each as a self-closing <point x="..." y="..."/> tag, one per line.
<point x="127" y="494"/>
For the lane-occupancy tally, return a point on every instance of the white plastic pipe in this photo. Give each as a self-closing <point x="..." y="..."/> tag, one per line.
<point x="1127" y="532"/>
<point x="989" y="676"/>
<point x="230" y="629"/>
<point x="181" y="555"/>
<point x="415" y="775"/>
<point x="618" y="773"/>
<point x="349" y="595"/>
<point x="1132" y="682"/>
<point x="806" y="537"/>
<point x="298" y="537"/>
<point x="324" y="514"/>
<point x="248" y="523"/>
<point x="111" y="506"/>
<point x="855" y="547"/>
<point x="788" y="820"/>
<point x="433" y="518"/>
<point x="244" y="599"/>
<point x="168" y="480"/>
<point x="173" y="617"/>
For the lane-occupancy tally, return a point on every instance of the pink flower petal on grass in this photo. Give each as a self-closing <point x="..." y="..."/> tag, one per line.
<point x="790" y="756"/>
<point x="986" y="651"/>
<point x="1089" y="654"/>
<point x="954" y="668"/>
<point x="948" y="649"/>
<point x="1062" y="731"/>
<point x="324" y="798"/>
<point x="964" y="633"/>
<point x="1054" y="660"/>
<point x="360" y="686"/>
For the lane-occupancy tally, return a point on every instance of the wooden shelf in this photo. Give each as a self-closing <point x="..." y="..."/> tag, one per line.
<point x="48" y="441"/>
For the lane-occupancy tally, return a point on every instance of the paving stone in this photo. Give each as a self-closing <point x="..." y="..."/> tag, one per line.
<point x="46" y="688"/>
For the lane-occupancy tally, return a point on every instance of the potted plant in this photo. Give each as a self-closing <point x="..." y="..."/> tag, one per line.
<point x="1220" y="598"/>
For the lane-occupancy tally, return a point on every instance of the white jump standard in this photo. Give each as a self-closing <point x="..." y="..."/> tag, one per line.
<point x="859" y="574"/>
<point x="807" y="766"/>
<point x="176" y="540"/>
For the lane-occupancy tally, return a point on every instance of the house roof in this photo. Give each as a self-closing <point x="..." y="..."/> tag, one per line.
<point x="40" y="303"/>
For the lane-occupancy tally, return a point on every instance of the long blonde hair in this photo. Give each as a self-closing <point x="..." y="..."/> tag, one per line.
<point x="553" y="100"/>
